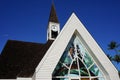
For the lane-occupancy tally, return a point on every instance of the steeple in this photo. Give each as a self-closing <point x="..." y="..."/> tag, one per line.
<point x="53" y="25"/>
<point x="53" y="15"/>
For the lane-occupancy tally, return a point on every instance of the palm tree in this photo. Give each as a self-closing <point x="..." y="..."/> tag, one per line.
<point x="117" y="58"/>
<point x="113" y="46"/>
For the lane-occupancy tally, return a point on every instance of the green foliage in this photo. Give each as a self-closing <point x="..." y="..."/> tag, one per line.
<point x="117" y="58"/>
<point x="114" y="46"/>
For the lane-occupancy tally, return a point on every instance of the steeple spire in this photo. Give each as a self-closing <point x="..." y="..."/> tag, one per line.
<point x="53" y="25"/>
<point x="53" y="15"/>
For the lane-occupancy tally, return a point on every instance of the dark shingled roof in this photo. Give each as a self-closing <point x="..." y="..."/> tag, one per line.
<point x="19" y="59"/>
<point x="53" y="16"/>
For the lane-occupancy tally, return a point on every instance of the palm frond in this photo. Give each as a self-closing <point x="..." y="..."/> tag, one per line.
<point x="117" y="58"/>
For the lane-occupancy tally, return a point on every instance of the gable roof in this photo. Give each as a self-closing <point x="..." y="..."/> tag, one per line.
<point x="54" y="53"/>
<point x="20" y="58"/>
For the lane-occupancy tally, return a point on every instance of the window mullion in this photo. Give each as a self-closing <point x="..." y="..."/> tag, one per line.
<point x="78" y="69"/>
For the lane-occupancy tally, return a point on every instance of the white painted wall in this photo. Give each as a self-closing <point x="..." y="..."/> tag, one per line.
<point x="48" y="63"/>
<point x="22" y="78"/>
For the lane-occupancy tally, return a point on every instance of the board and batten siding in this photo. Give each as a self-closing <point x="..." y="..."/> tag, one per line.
<point x="47" y="65"/>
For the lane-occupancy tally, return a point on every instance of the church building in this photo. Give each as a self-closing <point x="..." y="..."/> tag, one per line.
<point x="69" y="54"/>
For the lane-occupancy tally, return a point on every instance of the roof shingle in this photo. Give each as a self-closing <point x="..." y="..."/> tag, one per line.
<point x="20" y="58"/>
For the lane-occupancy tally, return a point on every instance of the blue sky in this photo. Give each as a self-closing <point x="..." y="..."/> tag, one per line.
<point x="27" y="20"/>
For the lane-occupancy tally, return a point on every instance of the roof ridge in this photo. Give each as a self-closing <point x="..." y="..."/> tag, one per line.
<point x="24" y="42"/>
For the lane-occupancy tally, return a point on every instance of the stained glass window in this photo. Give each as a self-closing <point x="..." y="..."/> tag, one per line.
<point x="76" y="63"/>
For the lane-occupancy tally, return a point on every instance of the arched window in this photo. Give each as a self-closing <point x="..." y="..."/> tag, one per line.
<point x="76" y="63"/>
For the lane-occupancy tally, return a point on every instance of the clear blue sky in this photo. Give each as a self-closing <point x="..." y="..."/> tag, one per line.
<point x="27" y="20"/>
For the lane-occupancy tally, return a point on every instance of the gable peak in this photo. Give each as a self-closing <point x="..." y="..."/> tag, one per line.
<point x="73" y="15"/>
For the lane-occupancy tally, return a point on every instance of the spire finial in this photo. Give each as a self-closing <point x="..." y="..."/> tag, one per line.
<point x="52" y="1"/>
<point x="53" y="15"/>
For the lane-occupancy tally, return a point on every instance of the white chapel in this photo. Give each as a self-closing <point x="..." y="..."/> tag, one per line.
<point x="69" y="54"/>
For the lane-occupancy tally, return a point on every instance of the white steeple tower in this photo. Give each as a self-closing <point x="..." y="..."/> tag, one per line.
<point x="53" y="25"/>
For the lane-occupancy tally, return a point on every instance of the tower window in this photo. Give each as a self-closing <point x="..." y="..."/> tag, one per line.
<point x="54" y="34"/>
